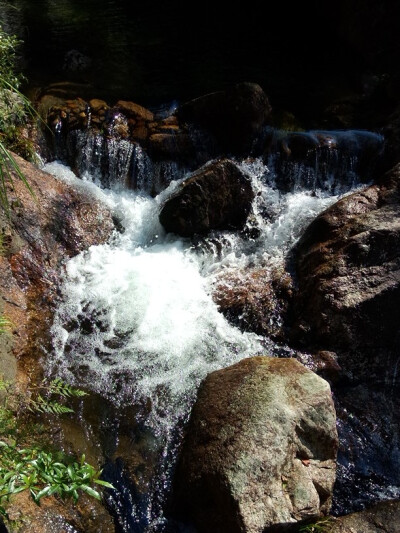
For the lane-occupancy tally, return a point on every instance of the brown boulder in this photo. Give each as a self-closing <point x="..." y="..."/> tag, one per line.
<point x="41" y="234"/>
<point x="133" y="110"/>
<point x="87" y="516"/>
<point x="217" y="196"/>
<point x="348" y="266"/>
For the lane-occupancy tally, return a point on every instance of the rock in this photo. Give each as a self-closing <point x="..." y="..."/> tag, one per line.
<point x="132" y="110"/>
<point x="260" y="448"/>
<point x="383" y="517"/>
<point x="348" y="266"/>
<point x="41" y="234"/>
<point x="235" y="117"/>
<point x="175" y="145"/>
<point x="255" y="299"/>
<point x="87" y="516"/>
<point x="217" y="196"/>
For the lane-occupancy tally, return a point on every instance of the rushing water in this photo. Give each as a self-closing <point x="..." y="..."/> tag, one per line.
<point x="138" y="324"/>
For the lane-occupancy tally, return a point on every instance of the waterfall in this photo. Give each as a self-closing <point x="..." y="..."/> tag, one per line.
<point x="137" y="323"/>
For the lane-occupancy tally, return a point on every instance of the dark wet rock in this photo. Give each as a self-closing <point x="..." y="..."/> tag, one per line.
<point x="174" y="145"/>
<point x="348" y="266"/>
<point x="391" y="130"/>
<point x="260" y="448"/>
<point x="383" y="517"/>
<point x="234" y="117"/>
<point x="217" y="196"/>
<point x="255" y="299"/>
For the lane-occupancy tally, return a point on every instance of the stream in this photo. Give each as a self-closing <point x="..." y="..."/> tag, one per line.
<point x="137" y="325"/>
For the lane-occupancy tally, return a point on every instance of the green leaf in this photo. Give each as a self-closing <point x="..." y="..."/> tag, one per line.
<point x="43" y="492"/>
<point x="104" y="483"/>
<point x="91" y="491"/>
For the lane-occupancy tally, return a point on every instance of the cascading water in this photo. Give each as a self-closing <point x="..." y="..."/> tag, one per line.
<point x="138" y="324"/>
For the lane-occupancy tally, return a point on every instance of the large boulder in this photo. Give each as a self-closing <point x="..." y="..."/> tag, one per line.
<point x="260" y="448"/>
<point x="234" y="117"/>
<point x="217" y="196"/>
<point x="43" y="230"/>
<point x="348" y="268"/>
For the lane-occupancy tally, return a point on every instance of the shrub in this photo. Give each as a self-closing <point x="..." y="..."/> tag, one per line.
<point x="15" y="111"/>
<point x="26" y="465"/>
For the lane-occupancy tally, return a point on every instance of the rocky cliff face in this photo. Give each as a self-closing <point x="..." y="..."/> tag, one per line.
<point x="44" y="230"/>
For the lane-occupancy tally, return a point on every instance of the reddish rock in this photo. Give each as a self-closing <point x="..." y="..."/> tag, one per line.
<point x="42" y="233"/>
<point x="255" y="299"/>
<point x="132" y="110"/>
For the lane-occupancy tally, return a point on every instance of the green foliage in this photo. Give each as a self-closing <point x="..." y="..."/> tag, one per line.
<point x="15" y="110"/>
<point x="8" y="168"/>
<point x="43" y="475"/>
<point x="5" y="323"/>
<point x="9" y="45"/>
<point x="25" y="465"/>
<point x="34" y="400"/>
<point x="56" y="387"/>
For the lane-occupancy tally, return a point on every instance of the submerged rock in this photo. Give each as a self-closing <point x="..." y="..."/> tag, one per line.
<point x="217" y="196"/>
<point x="260" y="448"/>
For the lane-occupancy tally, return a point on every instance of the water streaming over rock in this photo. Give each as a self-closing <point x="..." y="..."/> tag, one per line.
<point x="137" y="324"/>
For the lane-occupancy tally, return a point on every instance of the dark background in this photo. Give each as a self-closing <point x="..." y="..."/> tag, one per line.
<point x="304" y="55"/>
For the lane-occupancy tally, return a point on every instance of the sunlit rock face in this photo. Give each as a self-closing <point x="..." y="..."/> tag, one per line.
<point x="45" y="228"/>
<point x="260" y="448"/>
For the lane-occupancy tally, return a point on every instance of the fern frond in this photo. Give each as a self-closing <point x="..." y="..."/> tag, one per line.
<point x="57" y="386"/>
<point x="40" y="405"/>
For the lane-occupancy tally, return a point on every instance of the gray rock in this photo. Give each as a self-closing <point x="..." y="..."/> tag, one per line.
<point x="260" y="449"/>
